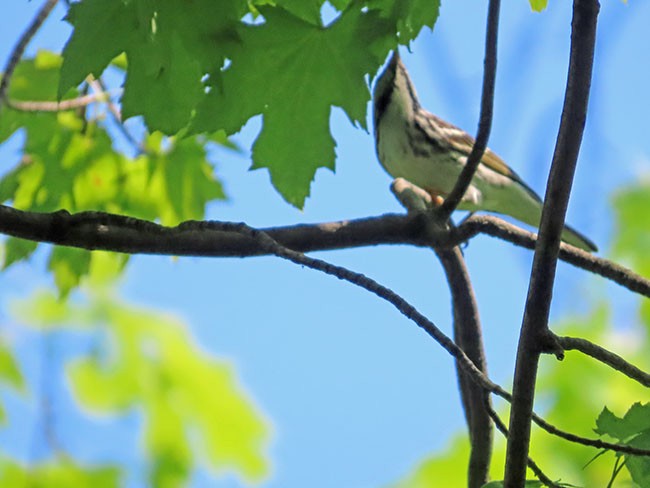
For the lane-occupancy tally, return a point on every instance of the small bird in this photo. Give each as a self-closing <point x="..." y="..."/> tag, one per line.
<point x="430" y="153"/>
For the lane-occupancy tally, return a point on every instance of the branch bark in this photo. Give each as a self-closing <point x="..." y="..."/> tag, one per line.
<point x="111" y="232"/>
<point x="606" y="357"/>
<point x="535" y="336"/>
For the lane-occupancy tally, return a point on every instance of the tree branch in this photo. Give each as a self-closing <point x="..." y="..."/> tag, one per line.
<point x="271" y="246"/>
<point x="116" y="233"/>
<point x="485" y="119"/>
<point x="468" y="335"/>
<point x="111" y="232"/>
<point x="607" y="357"/>
<point x="19" y="48"/>
<point x="46" y="106"/>
<point x="535" y="336"/>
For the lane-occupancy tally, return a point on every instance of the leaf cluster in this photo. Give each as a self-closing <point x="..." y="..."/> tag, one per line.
<point x="202" y="66"/>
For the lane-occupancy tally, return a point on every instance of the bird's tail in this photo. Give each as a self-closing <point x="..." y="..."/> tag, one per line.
<point x="529" y="211"/>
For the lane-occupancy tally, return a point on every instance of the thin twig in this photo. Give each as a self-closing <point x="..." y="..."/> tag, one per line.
<point x="98" y="86"/>
<point x="485" y="119"/>
<point x="46" y="106"/>
<point x="410" y="312"/>
<point x="19" y="48"/>
<point x="586" y="441"/>
<point x="606" y="357"/>
<point x="535" y="336"/>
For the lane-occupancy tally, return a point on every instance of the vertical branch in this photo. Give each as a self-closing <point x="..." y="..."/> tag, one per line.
<point x="485" y="119"/>
<point x="535" y="336"/>
<point x="468" y="336"/>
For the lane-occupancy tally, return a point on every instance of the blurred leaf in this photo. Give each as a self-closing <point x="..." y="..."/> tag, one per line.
<point x="17" y="250"/>
<point x="188" y="181"/>
<point x="63" y="473"/>
<point x="42" y="311"/>
<point x="70" y="163"/>
<point x="9" y="370"/>
<point x="183" y="393"/>
<point x="538" y="5"/>
<point x="632" y="234"/>
<point x="68" y="266"/>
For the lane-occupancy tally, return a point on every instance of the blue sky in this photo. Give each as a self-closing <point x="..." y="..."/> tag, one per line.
<point x="357" y="394"/>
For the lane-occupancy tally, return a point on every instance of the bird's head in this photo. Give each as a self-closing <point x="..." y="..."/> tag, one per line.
<point x="394" y="86"/>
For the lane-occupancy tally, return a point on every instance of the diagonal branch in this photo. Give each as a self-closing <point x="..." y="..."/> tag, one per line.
<point x="409" y="311"/>
<point x="535" y="337"/>
<point x="606" y="357"/>
<point x="485" y="119"/>
<point x="19" y="48"/>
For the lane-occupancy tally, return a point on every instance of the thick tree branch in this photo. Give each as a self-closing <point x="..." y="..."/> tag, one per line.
<point x="607" y="357"/>
<point x="485" y="118"/>
<point x="19" y="48"/>
<point x="111" y="232"/>
<point x="535" y="337"/>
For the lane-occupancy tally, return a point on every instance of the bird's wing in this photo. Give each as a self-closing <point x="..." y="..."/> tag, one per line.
<point x="462" y="142"/>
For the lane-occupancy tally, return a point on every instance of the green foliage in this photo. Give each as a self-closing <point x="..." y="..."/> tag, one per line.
<point x="538" y="5"/>
<point x="63" y="472"/>
<point x="289" y="68"/>
<point x="633" y="229"/>
<point x="300" y="86"/>
<point x="191" y="402"/>
<point x="69" y="162"/>
<point x="633" y="429"/>
<point x="9" y="370"/>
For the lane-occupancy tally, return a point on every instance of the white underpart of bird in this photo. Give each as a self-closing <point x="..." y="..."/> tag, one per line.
<point x="414" y="144"/>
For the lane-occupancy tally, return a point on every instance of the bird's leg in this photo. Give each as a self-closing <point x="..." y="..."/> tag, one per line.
<point x="436" y="199"/>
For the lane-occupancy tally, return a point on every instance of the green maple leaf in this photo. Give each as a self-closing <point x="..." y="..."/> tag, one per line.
<point x="308" y="10"/>
<point x="408" y="16"/>
<point x="169" y="46"/>
<point x="293" y="72"/>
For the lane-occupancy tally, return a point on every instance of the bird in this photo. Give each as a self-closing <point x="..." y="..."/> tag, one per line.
<point x="414" y="144"/>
